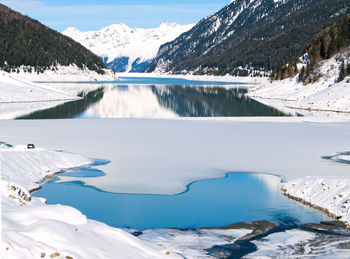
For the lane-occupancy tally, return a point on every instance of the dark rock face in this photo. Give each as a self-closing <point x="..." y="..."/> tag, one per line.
<point x="329" y="227"/>
<point x="260" y="34"/>
<point x="243" y="245"/>
<point x="121" y="64"/>
<point x="258" y="228"/>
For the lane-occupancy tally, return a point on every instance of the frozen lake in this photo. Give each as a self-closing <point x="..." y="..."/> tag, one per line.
<point x="155" y="98"/>
<point x="238" y="197"/>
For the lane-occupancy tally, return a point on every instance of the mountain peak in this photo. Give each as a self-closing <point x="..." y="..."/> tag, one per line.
<point x="169" y="24"/>
<point x="119" y="43"/>
<point x="71" y="30"/>
<point x="117" y="26"/>
<point x="246" y="34"/>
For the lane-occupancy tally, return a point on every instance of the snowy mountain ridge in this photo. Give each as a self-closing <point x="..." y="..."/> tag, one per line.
<point x="124" y="48"/>
<point x="247" y="35"/>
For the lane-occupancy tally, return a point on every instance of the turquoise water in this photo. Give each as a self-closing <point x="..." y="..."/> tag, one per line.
<point x="207" y="203"/>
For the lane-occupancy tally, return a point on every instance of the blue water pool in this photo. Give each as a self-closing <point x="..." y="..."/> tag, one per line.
<point x="207" y="203"/>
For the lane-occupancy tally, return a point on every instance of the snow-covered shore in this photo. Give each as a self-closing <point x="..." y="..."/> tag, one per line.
<point x="326" y="98"/>
<point x="19" y="97"/>
<point x="70" y="73"/>
<point x="325" y="95"/>
<point x="32" y="229"/>
<point x="212" y="144"/>
<point x="329" y="193"/>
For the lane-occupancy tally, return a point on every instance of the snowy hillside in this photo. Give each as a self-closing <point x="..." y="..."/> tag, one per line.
<point x="322" y="96"/>
<point x="126" y="49"/>
<point x="247" y="35"/>
<point x="32" y="229"/>
<point x="26" y="42"/>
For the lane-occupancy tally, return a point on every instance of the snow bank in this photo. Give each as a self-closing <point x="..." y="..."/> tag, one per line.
<point x="32" y="229"/>
<point x="65" y="74"/>
<point x="19" y="97"/>
<point x="192" y="243"/>
<point x="13" y="90"/>
<point x="298" y="243"/>
<point x="35" y="231"/>
<point x="331" y="194"/>
<point x="325" y="95"/>
<point x="27" y="166"/>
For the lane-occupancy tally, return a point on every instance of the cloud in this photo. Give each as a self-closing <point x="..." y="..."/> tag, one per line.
<point x="23" y="5"/>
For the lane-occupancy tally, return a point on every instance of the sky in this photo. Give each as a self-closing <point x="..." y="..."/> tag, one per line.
<point x="93" y="14"/>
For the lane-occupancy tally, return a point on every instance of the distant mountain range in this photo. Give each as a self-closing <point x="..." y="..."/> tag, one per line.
<point x="26" y="42"/>
<point x="246" y="37"/>
<point x="126" y="49"/>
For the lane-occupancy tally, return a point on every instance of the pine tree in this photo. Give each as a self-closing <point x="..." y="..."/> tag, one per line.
<point x="295" y="67"/>
<point x="308" y="69"/>
<point x="342" y="72"/>
<point x="348" y="68"/>
<point x="302" y="74"/>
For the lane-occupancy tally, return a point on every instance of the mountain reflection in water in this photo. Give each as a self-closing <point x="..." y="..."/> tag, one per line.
<point x="158" y="101"/>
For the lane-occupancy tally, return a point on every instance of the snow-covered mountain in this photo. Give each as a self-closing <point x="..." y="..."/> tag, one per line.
<point x="126" y="49"/>
<point x="247" y="36"/>
<point x="27" y="45"/>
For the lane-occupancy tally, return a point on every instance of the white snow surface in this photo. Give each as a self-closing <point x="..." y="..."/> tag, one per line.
<point x="325" y="95"/>
<point x="119" y="40"/>
<point x="192" y="243"/>
<point x="331" y="193"/>
<point x="297" y="243"/>
<point x="69" y="73"/>
<point x="32" y="229"/>
<point x="20" y="97"/>
<point x="178" y="152"/>
<point x="27" y="166"/>
<point x="14" y="89"/>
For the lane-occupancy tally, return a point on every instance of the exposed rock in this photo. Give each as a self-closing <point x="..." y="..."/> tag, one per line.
<point x="329" y="227"/>
<point x="257" y="227"/>
<point x="344" y="245"/>
<point x="54" y="255"/>
<point x="136" y="233"/>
